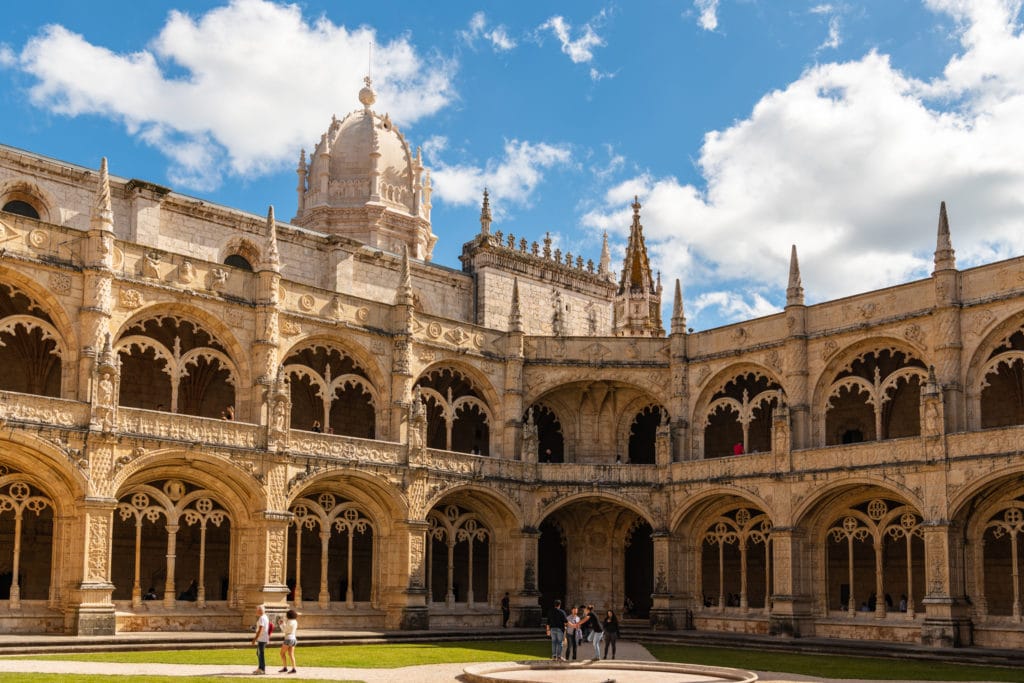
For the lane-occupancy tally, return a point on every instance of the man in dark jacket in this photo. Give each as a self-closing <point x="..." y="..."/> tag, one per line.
<point x="556" y="629"/>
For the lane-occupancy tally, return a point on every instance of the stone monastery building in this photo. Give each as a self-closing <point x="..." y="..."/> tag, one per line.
<point x="407" y="442"/>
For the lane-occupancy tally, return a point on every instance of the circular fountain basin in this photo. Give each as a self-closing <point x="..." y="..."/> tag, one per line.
<point x="602" y="671"/>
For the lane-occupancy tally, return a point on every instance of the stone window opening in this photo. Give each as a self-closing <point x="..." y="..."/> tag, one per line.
<point x="170" y="361"/>
<point x="346" y="551"/>
<point x="331" y="391"/>
<point x="643" y="433"/>
<point x="194" y="523"/>
<point x="29" y="346"/>
<point x="459" y="546"/>
<point x="457" y="418"/>
<point x="997" y="563"/>
<point x="31" y="517"/>
<point x="878" y="548"/>
<point x="878" y="393"/>
<point x="727" y="574"/>
<point x="738" y="419"/>
<point x="20" y="207"/>
<point x="238" y="261"/>
<point x="1002" y="387"/>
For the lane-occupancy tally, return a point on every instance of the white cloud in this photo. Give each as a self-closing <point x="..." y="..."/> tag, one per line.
<point x="835" y="39"/>
<point x="849" y="162"/>
<point x="579" y="50"/>
<point x="708" y="18"/>
<point x="226" y="84"/>
<point x="498" y="37"/>
<point x="7" y="56"/>
<point x="510" y="180"/>
<point x="732" y="306"/>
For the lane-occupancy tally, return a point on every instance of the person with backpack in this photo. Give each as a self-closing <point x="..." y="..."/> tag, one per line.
<point x="261" y="639"/>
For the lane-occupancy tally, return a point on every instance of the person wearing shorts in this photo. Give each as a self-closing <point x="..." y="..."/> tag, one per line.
<point x="290" y="628"/>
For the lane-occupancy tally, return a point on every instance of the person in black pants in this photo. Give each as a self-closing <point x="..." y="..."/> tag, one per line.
<point x="611" y="633"/>
<point x="572" y="637"/>
<point x="506" y="610"/>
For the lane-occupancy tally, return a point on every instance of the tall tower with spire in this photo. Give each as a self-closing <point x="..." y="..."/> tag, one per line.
<point x="638" y="300"/>
<point x="364" y="181"/>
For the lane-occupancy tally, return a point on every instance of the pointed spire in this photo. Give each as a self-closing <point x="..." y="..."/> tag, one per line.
<point x="485" y="215"/>
<point x="273" y="258"/>
<point x="795" y="290"/>
<point x="604" y="268"/>
<point x="102" y="213"/>
<point x="945" y="257"/>
<point x="638" y="300"/>
<point x="636" y="269"/>
<point x="515" y="316"/>
<point x="678" y="316"/>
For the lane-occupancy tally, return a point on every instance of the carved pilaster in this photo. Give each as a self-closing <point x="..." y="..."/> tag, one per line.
<point x="791" y="598"/>
<point x="91" y="602"/>
<point x="947" y="616"/>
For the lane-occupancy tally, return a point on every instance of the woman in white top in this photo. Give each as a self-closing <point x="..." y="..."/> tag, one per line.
<point x="290" y="627"/>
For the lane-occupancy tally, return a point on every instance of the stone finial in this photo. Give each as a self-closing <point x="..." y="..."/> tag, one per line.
<point x="604" y="268"/>
<point x="547" y="245"/>
<point x="515" y="316"/>
<point x="366" y="95"/>
<point x="795" y="289"/>
<point x="678" y="316"/>
<point x="103" y="212"/>
<point x="405" y="279"/>
<point x="931" y="387"/>
<point x="945" y="257"/>
<point x="302" y="168"/>
<point x="485" y="214"/>
<point x="273" y="259"/>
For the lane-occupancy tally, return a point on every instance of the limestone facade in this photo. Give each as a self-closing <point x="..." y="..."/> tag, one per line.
<point x="202" y="410"/>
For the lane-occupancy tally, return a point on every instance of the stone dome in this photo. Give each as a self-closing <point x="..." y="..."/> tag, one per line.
<point x="352" y="152"/>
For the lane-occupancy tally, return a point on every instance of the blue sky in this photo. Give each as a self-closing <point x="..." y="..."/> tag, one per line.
<point x="744" y="125"/>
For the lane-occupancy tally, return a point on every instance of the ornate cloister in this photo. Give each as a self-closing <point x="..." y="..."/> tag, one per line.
<point x="295" y="417"/>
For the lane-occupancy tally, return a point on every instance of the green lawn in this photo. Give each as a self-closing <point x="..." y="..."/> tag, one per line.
<point x="832" y="666"/>
<point x="355" y="656"/>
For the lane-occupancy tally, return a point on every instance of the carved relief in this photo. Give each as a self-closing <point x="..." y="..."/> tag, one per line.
<point x="38" y="239"/>
<point x="130" y="298"/>
<point x="980" y="321"/>
<point x="60" y="283"/>
<point x="99" y="544"/>
<point x="829" y="349"/>
<point x="186" y="273"/>
<point x="290" y="328"/>
<point x="914" y="333"/>
<point x="307" y="302"/>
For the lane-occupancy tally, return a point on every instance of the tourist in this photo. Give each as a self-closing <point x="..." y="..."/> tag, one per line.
<point x="290" y="627"/>
<point x="596" y="630"/>
<point x="316" y="427"/>
<point x="261" y="639"/>
<point x="555" y="629"/>
<point x="506" y="610"/>
<point x="737" y="448"/>
<point x="190" y="594"/>
<point x="903" y="602"/>
<point x="611" y="632"/>
<point x="572" y="634"/>
<point x="151" y="594"/>
<point x="228" y="414"/>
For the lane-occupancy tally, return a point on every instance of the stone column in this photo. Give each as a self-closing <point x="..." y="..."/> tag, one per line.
<point x="266" y="545"/>
<point x="947" y="620"/>
<point x="796" y="386"/>
<point x="91" y="604"/>
<point x="405" y="587"/>
<point x="791" y="600"/>
<point x="664" y="615"/>
<point x="525" y="609"/>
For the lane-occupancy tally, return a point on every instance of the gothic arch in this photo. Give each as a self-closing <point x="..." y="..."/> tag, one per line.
<point x="985" y="362"/>
<point x="498" y="509"/>
<point x="830" y="386"/>
<point x="477" y="377"/>
<point x="47" y="468"/>
<point x="459" y="415"/>
<point x="714" y="408"/>
<point x="204" y="320"/>
<point x="547" y="509"/>
<point x="20" y="189"/>
<point x="710" y="503"/>
<point x="630" y="413"/>
<point x="239" y="492"/>
<point x="380" y="496"/>
<point x="200" y="377"/>
<point x="539" y="384"/>
<point x="243" y="246"/>
<point x="48" y="304"/>
<point x="370" y="363"/>
<point x="807" y="513"/>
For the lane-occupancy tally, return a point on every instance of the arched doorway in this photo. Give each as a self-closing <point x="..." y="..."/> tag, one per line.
<point x="639" y="570"/>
